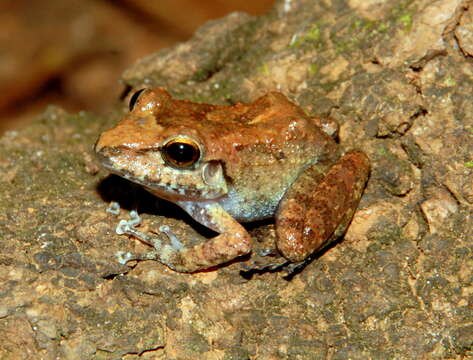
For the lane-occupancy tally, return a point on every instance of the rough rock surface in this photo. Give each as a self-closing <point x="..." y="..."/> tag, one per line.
<point x="396" y="74"/>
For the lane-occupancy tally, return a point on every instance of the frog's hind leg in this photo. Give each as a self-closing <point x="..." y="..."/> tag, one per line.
<point x="309" y="218"/>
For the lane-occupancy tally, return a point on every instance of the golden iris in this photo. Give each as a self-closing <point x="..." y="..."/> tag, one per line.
<point x="181" y="152"/>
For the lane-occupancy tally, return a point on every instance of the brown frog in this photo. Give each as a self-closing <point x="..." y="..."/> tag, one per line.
<point x="229" y="164"/>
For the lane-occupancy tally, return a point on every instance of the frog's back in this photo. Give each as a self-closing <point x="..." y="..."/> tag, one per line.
<point x="274" y="143"/>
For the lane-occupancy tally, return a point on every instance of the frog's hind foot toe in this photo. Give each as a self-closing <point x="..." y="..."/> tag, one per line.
<point x="124" y="257"/>
<point x="258" y="267"/>
<point x="293" y="268"/>
<point x="113" y="208"/>
<point x="287" y="268"/>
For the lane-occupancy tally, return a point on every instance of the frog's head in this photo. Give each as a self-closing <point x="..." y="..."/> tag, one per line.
<point x="156" y="146"/>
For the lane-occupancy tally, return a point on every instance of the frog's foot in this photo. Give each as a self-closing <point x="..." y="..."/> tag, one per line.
<point x="295" y="268"/>
<point x="233" y="241"/>
<point x="125" y="226"/>
<point x="289" y="269"/>
<point x="128" y="227"/>
<point x="264" y="260"/>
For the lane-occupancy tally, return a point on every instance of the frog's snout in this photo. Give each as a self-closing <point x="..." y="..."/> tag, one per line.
<point x="100" y="144"/>
<point x="105" y="152"/>
<point x="102" y="150"/>
<point x="103" y="155"/>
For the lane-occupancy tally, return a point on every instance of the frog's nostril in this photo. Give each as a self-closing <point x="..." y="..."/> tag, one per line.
<point x="105" y="152"/>
<point x="104" y="160"/>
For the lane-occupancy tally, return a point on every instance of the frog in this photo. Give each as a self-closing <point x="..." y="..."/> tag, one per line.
<point x="229" y="164"/>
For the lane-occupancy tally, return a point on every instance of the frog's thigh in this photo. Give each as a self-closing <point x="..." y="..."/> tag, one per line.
<point x="233" y="241"/>
<point x="308" y="216"/>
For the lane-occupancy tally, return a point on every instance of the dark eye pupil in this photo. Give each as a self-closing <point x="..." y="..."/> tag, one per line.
<point x="181" y="154"/>
<point x="134" y="99"/>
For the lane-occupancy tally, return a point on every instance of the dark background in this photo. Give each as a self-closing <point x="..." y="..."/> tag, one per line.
<point x="71" y="53"/>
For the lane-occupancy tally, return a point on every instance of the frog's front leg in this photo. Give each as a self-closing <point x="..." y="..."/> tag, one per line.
<point x="310" y="217"/>
<point x="233" y="241"/>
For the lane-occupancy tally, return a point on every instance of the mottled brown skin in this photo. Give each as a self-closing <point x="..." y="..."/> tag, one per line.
<point x="257" y="160"/>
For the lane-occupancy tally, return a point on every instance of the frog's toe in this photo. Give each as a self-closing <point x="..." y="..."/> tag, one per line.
<point x="175" y="242"/>
<point x="124" y="256"/>
<point x="114" y="208"/>
<point x="122" y="227"/>
<point x="128" y="226"/>
<point x="254" y="266"/>
<point x="135" y="218"/>
<point x="267" y="252"/>
<point x="292" y="269"/>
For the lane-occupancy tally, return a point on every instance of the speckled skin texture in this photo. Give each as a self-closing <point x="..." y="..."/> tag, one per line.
<point x="399" y="285"/>
<point x="256" y="160"/>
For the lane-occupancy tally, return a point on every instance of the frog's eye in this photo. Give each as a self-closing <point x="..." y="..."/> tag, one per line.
<point x="134" y="98"/>
<point x="181" y="152"/>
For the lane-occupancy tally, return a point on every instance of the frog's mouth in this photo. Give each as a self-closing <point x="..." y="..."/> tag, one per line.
<point x="205" y="182"/>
